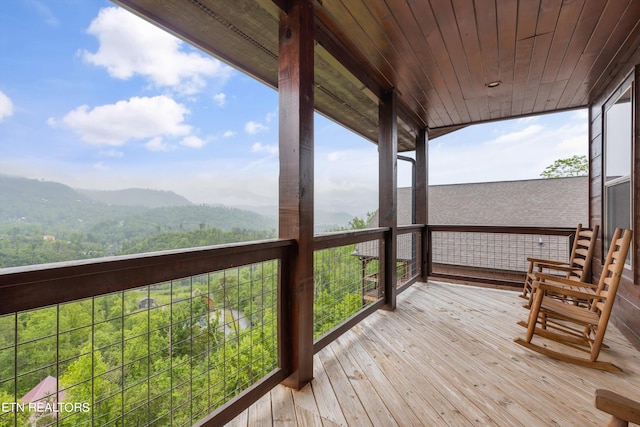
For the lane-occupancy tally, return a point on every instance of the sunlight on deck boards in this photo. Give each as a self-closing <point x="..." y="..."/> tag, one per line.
<point x="446" y="357"/>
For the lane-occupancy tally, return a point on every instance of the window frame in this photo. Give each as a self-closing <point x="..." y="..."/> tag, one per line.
<point x="628" y="85"/>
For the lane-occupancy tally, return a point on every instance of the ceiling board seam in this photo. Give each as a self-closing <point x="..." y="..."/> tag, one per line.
<point x="232" y="27"/>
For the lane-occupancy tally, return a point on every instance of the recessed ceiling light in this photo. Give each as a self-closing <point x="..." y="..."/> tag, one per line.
<point x="494" y="83"/>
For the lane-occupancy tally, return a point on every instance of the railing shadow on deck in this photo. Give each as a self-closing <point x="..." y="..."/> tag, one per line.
<point x="194" y="336"/>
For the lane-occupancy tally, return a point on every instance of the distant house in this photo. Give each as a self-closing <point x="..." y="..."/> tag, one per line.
<point x="44" y="393"/>
<point x="46" y="390"/>
<point x="147" y="303"/>
<point x="48" y="237"/>
<point x="553" y="203"/>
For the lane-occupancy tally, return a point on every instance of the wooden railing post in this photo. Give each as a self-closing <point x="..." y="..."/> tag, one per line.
<point x="429" y="266"/>
<point x="296" y="104"/>
<point x="422" y="197"/>
<point x="388" y="183"/>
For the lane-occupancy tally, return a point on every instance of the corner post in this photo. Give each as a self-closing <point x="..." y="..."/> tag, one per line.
<point x="422" y="198"/>
<point x="388" y="184"/>
<point x="296" y="105"/>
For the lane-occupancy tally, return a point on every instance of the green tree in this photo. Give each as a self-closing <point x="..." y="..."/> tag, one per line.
<point x="86" y="380"/>
<point x="7" y="418"/>
<point x="358" y="223"/>
<point x="571" y="166"/>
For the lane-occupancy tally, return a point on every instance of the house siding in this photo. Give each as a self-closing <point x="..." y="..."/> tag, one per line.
<point x="626" y="312"/>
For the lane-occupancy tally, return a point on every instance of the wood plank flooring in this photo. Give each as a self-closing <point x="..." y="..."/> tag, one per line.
<point x="446" y="357"/>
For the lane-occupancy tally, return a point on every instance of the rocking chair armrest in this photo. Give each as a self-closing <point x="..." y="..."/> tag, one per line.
<point x="620" y="407"/>
<point x="561" y="290"/>
<point x="559" y="267"/>
<point x="543" y="277"/>
<point x="546" y="261"/>
<point x="566" y="287"/>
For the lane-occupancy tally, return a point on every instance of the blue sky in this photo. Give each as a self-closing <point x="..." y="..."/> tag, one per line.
<point x="94" y="97"/>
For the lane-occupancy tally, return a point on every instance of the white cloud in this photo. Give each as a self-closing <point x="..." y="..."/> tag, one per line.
<point x="335" y="156"/>
<point x="157" y="144"/>
<point x="112" y="153"/>
<point x="193" y="142"/>
<point x="581" y="115"/>
<point x="6" y="106"/>
<point x="528" y="119"/>
<point x="519" y="135"/>
<point x="347" y="180"/>
<point x="130" y="45"/>
<point x="220" y="99"/>
<point x="521" y="154"/>
<point x="229" y="134"/>
<point x="45" y="12"/>
<point x="137" y="118"/>
<point x="253" y="128"/>
<point x="100" y="166"/>
<point x="270" y="116"/>
<point x="266" y="148"/>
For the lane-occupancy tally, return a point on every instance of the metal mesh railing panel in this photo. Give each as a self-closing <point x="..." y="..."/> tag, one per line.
<point x="163" y="354"/>
<point x="345" y="282"/>
<point x="496" y="251"/>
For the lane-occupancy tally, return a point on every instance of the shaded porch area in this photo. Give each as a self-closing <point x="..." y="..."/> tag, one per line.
<point x="446" y="356"/>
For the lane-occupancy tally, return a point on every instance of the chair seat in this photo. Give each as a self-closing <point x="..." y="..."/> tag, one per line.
<point x="577" y="313"/>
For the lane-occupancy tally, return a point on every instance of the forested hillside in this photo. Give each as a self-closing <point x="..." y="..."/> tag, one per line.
<point x="164" y="352"/>
<point x="43" y="222"/>
<point x="137" y="197"/>
<point x="50" y="204"/>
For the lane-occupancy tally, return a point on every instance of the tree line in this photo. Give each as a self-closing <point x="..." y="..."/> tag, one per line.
<point x="179" y="355"/>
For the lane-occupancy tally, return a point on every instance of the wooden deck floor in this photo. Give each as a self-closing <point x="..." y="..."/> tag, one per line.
<point x="446" y="357"/>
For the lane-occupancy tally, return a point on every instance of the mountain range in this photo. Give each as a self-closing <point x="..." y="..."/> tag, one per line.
<point x="52" y="205"/>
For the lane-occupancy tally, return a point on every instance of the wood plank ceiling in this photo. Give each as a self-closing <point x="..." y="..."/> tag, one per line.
<point x="440" y="55"/>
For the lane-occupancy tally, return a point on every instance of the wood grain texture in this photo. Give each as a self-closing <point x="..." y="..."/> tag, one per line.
<point x="296" y="191"/>
<point x="387" y="193"/>
<point x="439" y="55"/>
<point x="445" y="356"/>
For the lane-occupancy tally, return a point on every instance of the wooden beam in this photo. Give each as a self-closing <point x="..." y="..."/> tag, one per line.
<point x="369" y="77"/>
<point x="422" y="196"/>
<point x="296" y="102"/>
<point x="388" y="184"/>
<point x="635" y="179"/>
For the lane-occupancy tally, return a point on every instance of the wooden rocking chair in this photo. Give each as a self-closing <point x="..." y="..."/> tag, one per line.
<point x="577" y="326"/>
<point x="622" y="410"/>
<point x="578" y="267"/>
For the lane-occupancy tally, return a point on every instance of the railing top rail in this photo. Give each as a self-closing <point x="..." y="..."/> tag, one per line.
<point x="340" y="238"/>
<point x="410" y="228"/>
<point x="559" y="231"/>
<point x="23" y="288"/>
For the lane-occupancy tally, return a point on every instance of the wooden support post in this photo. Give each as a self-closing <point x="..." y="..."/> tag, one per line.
<point x="388" y="183"/>
<point x="635" y="180"/>
<point x="422" y="197"/>
<point x="296" y="103"/>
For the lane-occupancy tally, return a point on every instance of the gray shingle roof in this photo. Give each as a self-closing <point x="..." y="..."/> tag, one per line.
<point x="556" y="202"/>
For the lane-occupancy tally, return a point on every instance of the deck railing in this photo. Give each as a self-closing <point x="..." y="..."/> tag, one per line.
<point x="345" y="295"/>
<point x="154" y="339"/>
<point x="169" y="338"/>
<point x="195" y="336"/>
<point x="409" y="255"/>
<point x="493" y="255"/>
